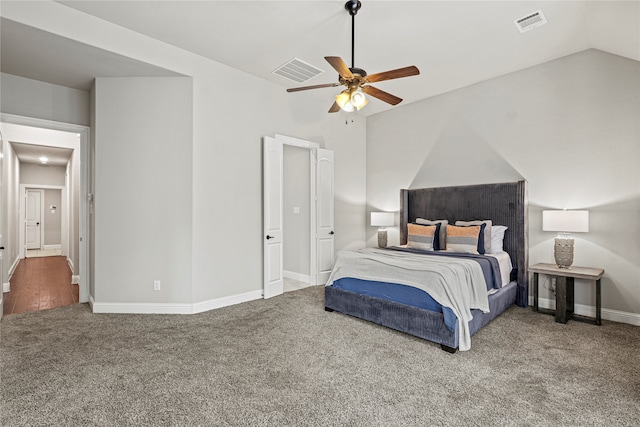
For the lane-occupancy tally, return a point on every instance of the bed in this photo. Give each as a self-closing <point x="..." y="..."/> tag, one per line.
<point x="505" y="204"/>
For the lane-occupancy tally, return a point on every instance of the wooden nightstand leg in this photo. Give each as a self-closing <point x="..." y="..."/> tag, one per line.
<point x="561" y="300"/>
<point x="598" y="303"/>
<point x="570" y="298"/>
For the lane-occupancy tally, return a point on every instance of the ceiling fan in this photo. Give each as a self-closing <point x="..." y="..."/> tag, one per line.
<point x="355" y="79"/>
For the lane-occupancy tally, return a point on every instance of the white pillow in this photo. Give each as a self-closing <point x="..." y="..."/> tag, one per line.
<point x="497" y="238"/>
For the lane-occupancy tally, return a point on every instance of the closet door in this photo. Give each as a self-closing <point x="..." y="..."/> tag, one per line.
<point x="325" y="220"/>
<point x="273" y="283"/>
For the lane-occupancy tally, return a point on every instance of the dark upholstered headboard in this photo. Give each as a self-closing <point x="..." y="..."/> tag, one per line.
<point x="504" y="204"/>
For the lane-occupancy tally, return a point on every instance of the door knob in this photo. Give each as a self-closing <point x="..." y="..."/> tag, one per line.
<point x="37" y="223"/>
<point x="270" y="237"/>
<point x="331" y="232"/>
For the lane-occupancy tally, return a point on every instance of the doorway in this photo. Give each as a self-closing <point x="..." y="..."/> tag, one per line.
<point x="298" y="214"/>
<point x="74" y="241"/>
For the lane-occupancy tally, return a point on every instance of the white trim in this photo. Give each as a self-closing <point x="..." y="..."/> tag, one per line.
<point x="296" y="142"/>
<point x="200" y="307"/>
<point x="91" y="303"/>
<point x="13" y="267"/>
<point x="172" y="308"/>
<point x="6" y="287"/>
<point x="70" y="263"/>
<point x="84" y="237"/>
<point x="590" y="311"/>
<point x="141" y="308"/>
<point x="296" y="276"/>
<point x="58" y="246"/>
<point x="75" y="279"/>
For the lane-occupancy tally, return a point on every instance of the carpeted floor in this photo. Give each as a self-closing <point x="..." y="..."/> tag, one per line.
<point x="285" y="361"/>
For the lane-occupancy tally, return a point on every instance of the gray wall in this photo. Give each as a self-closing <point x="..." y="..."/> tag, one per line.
<point x="31" y="98"/>
<point x="143" y="195"/>
<point x="33" y="173"/>
<point x="52" y="220"/>
<point x="570" y="127"/>
<point x="296" y="186"/>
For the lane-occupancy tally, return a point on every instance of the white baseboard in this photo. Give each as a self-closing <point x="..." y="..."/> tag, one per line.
<point x="203" y="306"/>
<point x="6" y="287"/>
<point x="75" y="279"/>
<point x="70" y="264"/>
<point x="172" y="308"/>
<point x="587" y="310"/>
<point x="14" y="266"/>
<point x="296" y="276"/>
<point x="58" y="246"/>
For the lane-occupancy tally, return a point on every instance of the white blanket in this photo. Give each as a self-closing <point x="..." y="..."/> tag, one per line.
<point x="453" y="282"/>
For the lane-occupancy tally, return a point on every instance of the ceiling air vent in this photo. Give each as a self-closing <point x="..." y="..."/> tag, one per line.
<point x="297" y="70"/>
<point x="530" y="21"/>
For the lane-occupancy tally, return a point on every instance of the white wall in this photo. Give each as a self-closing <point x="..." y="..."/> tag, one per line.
<point x="143" y="190"/>
<point x="570" y="127"/>
<point x="31" y="98"/>
<point x="32" y="173"/>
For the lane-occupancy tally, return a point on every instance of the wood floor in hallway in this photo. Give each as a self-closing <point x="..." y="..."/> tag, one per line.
<point x="40" y="284"/>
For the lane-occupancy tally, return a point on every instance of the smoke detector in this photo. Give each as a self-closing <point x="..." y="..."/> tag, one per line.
<point x="530" y="21"/>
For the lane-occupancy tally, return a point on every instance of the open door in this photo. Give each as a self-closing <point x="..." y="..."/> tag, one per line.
<point x="325" y="223"/>
<point x="321" y="218"/>
<point x="272" y="217"/>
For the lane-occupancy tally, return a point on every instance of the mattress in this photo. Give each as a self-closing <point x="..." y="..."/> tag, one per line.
<point x="496" y="269"/>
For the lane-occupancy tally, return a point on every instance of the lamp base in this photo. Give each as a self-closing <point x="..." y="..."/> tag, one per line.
<point x="382" y="238"/>
<point x="563" y="251"/>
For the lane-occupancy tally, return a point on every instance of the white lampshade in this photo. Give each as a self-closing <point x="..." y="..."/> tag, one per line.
<point x="565" y="221"/>
<point x="381" y="219"/>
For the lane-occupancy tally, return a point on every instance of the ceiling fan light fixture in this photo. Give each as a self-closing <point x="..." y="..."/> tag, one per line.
<point x="358" y="99"/>
<point x="343" y="99"/>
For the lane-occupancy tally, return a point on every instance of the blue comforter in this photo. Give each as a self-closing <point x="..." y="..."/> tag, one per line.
<point x="415" y="297"/>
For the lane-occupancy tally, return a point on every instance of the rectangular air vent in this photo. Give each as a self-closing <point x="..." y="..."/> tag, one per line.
<point x="530" y="21"/>
<point x="297" y="70"/>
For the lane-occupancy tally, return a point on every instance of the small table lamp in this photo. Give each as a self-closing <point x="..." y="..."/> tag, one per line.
<point x="565" y="222"/>
<point x="382" y="219"/>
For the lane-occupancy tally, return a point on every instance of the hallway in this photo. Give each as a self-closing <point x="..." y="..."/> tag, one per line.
<point x="40" y="284"/>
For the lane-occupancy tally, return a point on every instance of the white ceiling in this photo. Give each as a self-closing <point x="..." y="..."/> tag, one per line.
<point x="453" y="43"/>
<point x="31" y="153"/>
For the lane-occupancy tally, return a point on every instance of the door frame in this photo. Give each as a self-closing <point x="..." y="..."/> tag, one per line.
<point x="64" y="213"/>
<point x="23" y="220"/>
<point x="84" y="238"/>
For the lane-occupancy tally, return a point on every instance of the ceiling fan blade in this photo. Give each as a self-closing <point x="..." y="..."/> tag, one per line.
<point x="296" y="89"/>
<point x="393" y="74"/>
<point x="340" y="66"/>
<point x="334" y="108"/>
<point x="381" y="95"/>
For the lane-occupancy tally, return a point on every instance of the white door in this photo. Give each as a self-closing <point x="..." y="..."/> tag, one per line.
<point x="272" y="231"/>
<point x="325" y="222"/>
<point x="33" y="211"/>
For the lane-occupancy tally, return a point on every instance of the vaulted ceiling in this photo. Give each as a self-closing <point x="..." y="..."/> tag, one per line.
<point x="453" y="43"/>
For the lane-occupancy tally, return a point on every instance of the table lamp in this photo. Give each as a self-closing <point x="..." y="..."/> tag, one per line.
<point x="382" y="219"/>
<point x="565" y="222"/>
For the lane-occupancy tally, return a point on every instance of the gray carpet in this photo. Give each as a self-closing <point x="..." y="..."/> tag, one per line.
<point x="285" y="361"/>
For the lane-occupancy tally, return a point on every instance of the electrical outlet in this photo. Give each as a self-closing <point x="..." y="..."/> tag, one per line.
<point x="156" y="285"/>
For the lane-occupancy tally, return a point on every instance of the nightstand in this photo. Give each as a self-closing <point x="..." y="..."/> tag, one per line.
<point x="564" y="290"/>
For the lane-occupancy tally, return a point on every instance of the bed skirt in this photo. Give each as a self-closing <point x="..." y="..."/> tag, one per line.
<point x="415" y="321"/>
